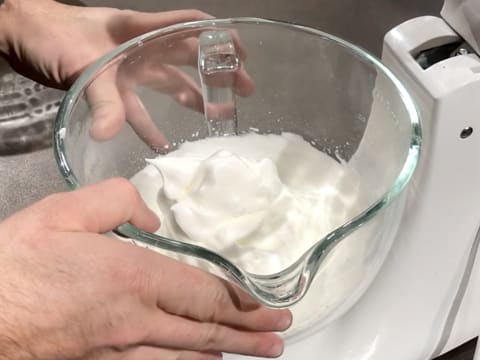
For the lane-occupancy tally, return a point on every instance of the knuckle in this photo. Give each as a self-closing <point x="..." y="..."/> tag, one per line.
<point x="136" y="279"/>
<point x="216" y="304"/>
<point x="127" y="16"/>
<point x="125" y="187"/>
<point x="100" y="106"/>
<point x="140" y="282"/>
<point x="180" y="355"/>
<point x="211" y="336"/>
<point x="220" y="305"/>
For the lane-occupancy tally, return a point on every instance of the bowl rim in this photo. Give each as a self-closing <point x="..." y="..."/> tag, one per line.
<point x="311" y="259"/>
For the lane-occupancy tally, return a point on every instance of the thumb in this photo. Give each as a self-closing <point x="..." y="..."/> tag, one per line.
<point x="97" y="208"/>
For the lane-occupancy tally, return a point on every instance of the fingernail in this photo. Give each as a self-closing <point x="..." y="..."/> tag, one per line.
<point x="275" y="350"/>
<point x="284" y="322"/>
<point x="154" y="222"/>
<point x="183" y="98"/>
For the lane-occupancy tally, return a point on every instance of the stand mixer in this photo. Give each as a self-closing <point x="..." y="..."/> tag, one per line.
<point x="424" y="302"/>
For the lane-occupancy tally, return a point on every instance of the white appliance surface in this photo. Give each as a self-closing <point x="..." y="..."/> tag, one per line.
<point x="426" y="299"/>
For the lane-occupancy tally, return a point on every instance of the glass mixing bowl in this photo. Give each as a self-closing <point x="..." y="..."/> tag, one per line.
<point x="221" y="78"/>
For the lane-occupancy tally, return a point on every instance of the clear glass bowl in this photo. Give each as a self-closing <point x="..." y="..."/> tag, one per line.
<point x="336" y="96"/>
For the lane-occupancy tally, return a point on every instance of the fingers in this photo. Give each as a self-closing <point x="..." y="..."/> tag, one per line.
<point x="110" y="106"/>
<point x="215" y="300"/>
<point x="97" y="208"/>
<point x="183" y="51"/>
<point x="141" y="122"/>
<point x="134" y="23"/>
<point x="182" y="333"/>
<point x="152" y="353"/>
<point x="143" y="324"/>
<point x="174" y="82"/>
<point x="165" y="79"/>
<point x="244" y="85"/>
<point x="130" y="24"/>
<point x="106" y="105"/>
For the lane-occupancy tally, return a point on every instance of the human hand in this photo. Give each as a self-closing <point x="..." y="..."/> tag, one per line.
<point x="70" y="293"/>
<point x="53" y="43"/>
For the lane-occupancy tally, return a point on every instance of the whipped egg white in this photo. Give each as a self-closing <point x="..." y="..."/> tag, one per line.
<point x="259" y="200"/>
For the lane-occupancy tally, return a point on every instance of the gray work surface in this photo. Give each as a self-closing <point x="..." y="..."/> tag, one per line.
<point x="29" y="177"/>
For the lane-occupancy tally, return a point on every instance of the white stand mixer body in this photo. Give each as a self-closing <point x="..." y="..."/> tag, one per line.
<point x="445" y="214"/>
<point x="426" y="298"/>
